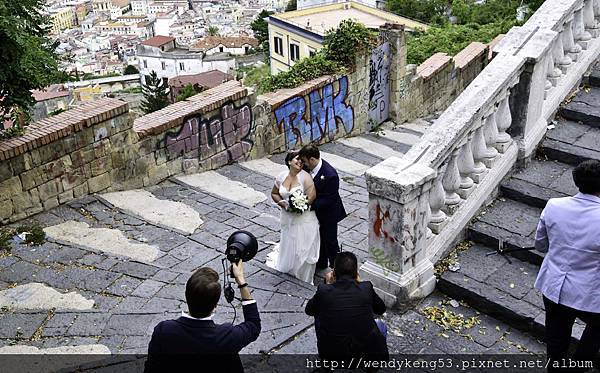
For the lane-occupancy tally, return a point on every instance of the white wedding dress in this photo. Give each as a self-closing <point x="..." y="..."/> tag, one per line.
<point x="298" y="250"/>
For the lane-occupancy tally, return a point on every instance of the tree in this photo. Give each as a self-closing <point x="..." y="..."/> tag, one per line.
<point x="261" y="29"/>
<point x="130" y="69"/>
<point x="187" y="91"/>
<point x="428" y="11"/>
<point x="155" y="94"/>
<point x="291" y="6"/>
<point x="28" y="60"/>
<point x="213" y="31"/>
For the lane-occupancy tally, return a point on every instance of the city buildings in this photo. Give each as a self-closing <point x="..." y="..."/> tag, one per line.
<point x="299" y="34"/>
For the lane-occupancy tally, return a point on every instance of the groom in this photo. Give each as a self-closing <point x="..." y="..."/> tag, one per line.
<point x="328" y="204"/>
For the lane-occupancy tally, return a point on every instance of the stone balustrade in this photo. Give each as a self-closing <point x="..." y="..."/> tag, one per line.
<point x="419" y="205"/>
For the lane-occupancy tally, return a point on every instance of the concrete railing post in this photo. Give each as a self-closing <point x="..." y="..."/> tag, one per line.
<point x="394" y="34"/>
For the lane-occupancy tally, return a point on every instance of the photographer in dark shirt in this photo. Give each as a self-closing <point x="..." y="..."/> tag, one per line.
<point x="343" y="308"/>
<point x="201" y="344"/>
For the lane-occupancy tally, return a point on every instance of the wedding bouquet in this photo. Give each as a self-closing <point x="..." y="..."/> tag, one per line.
<point x="298" y="202"/>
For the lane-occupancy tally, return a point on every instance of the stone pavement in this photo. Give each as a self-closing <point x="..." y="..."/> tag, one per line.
<point x="114" y="265"/>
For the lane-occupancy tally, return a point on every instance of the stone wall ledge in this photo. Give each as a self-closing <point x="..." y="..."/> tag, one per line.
<point x="175" y="115"/>
<point x="433" y="64"/>
<point x="469" y="54"/>
<point x="282" y="95"/>
<point x="59" y="126"/>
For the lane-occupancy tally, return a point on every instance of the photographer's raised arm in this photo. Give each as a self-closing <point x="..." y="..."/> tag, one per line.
<point x="249" y="330"/>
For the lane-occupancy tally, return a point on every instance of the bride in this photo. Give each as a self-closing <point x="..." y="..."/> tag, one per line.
<point x="298" y="250"/>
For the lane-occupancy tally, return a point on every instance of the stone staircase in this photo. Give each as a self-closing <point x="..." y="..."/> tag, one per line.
<point x="502" y="287"/>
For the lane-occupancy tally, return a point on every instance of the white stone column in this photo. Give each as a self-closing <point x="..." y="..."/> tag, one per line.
<point x="437" y="197"/>
<point x="503" y="121"/>
<point x="588" y="19"/>
<point x="451" y="184"/>
<point x="582" y="37"/>
<point x="573" y="49"/>
<point x="479" y="153"/>
<point x="466" y="166"/>
<point x="490" y="133"/>
<point x="398" y="265"/>
<point x="562" y="49"/>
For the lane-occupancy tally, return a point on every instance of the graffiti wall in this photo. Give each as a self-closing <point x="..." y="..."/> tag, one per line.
<point x="379" y="84"/>
<point x="223" y="138"/>
<point x="320" y="115"/>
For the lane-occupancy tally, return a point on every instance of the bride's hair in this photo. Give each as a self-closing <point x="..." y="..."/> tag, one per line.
<point x="290" y="155"/>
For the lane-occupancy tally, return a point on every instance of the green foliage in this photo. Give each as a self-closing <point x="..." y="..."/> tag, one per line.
<point x="130" y="69"/>
<point x="255" y="75"/>
<point x="452" y="39"/>
<point x="34" y="234"/>
<point x="260" y="28"/>
<point x="291" y="6"/>
<point x="88" y="76"/>
<point x="427" y="11"/>
<point x="56" y="112"/>
<point x="187" y="91"/>
<point x="130" y="90"/>
<point x="475" y="22"/>
<point x="340" y="49"/>
<point x="386" y="262"/>
<point x="212" y="31"/>
<point x="6" y="235"/>
<point x="155" y="94"/>
<point x="11" y="132"/>
<point x="28" y="60"/>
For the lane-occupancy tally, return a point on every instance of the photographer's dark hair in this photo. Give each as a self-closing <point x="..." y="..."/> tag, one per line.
<point x="310" y="151"/>
<point x="289" y="156"/>
<point x="587" y="177"/>
<point x="202" y="292"/>
<point x="345" y="264"/>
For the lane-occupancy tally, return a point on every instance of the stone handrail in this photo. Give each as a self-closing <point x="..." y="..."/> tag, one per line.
<point x="420" y="204"/>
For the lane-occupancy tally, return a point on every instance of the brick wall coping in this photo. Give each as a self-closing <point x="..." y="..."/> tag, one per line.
<point x="174" y="115"/>
<point x="433" y="64"/>
<point x="470" y="53"/>
<point x="58" y="126"/>
<point x="280" y="96"/>
<point x="492" y="44"/>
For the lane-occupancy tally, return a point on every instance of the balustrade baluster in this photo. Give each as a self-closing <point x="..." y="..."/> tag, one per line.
<point x="490" y="133"/>
<point x="582" y="37"/>
<point x="589" y="22"/>
<point x="436" y="203"/>
<point x="479" y="153"/>
<point x="451" y="183"/>
<point x="561" y="55"/>
<point x="466" y="166"/>
<point x="503" y="120"/>
<point x="573" y="49"/>
<point x="596" y="6"/>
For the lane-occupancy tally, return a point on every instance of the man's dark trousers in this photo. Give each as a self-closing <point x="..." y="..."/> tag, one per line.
<point x="329" y="245"/>
<point x="559" y="324"/>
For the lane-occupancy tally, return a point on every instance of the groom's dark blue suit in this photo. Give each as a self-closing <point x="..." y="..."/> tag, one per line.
<point x="330" y="210"/>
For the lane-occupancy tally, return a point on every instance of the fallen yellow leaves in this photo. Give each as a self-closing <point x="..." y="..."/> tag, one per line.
<point x="452" y="258"/>
<point x="450" y="320"/>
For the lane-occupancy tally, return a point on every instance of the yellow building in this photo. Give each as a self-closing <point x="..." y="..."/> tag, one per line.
<point x="299" y="34"/>
<point x="62" y="18"/>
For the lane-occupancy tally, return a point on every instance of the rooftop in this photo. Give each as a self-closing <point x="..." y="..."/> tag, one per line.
<point x="158" y="41"/>
<point x="322" y="18"/>
<point x="208" y="79"/>
<point x="210" y="42"/>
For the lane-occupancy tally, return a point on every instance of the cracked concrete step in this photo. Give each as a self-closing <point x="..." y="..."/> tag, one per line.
<point x="584" y="107"/>
<point x="512" y="222"/>
<point x="571" y="142"/>
<point x="499" y="289"/>
<point x="538" y="182"/>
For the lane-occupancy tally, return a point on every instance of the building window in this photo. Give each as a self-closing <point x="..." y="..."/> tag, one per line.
<point x="145" y="64"/>
<point x="246" y="49"/>
<point x="294" y="52"/>
<point x="311" y="52"/>
<point x="181" y="66"/>
<point x="278" y="45"/>
<point x="221" y="49"/>
<point x="163" y="65"/>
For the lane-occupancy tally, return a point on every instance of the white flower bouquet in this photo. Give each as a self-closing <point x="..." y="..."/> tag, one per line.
<point x="298" y="202"/>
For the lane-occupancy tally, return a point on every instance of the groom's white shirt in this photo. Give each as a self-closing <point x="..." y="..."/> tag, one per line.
<point x="315" y="170"/>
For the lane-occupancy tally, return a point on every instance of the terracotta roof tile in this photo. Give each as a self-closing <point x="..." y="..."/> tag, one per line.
<point x="158" y="41"/>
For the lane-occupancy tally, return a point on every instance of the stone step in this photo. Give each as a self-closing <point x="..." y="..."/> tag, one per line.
<point x="538" y="182"/>
<point x="571" y="142"/>
<point x="499" y="289"/>
<point x="584" y="107"/>
<point x="512" y="222"/>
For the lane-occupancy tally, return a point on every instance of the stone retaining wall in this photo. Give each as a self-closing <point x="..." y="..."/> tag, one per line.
<point x="97" y="147"/>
